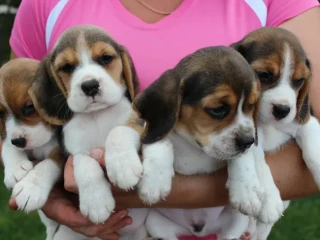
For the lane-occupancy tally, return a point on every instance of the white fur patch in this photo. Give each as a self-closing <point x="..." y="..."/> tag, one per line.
<point x="96" y="200"/>
<point x="32" y="192"/>
<point x="123" y="164"/>
<point x="157" y="171"/>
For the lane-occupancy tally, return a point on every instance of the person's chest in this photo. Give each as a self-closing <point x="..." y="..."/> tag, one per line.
<point x="157" y="47"/>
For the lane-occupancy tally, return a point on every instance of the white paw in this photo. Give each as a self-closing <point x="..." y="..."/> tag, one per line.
<point x="245" y="197"/>
<point x="32" y="192"/>
<point x="272" y="208"/>
<point x="123" y="164"/>
<point x="157" y="171"/>
<point x="125" y="171"/>
<point x="96" y="201"/>
<point x="16" y="173"/>
<point x="153" y="188"/>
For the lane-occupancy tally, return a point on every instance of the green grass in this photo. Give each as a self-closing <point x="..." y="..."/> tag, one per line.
<point x="301" y="221"/>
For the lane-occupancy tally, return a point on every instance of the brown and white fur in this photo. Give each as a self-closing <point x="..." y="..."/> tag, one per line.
<point x="86" y="84"/>
<point x="27" y="136"/>
<point x="206" y="107"/>
<point x="279" y="60"/>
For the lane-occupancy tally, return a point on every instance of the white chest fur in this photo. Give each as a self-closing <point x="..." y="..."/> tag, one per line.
<point x="273" y="137"/>
<point x="89" y="130"/>
<point x="190" y="159"/>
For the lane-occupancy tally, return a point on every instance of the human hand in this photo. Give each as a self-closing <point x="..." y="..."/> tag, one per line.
<point x="62" y="207"/>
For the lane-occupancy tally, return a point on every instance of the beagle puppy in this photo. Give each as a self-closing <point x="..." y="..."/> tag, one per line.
<point x="206" y="108"/>
<point x="27" y="136"/>
<point x="86" y="84"/>
<point x="284" y="71"/>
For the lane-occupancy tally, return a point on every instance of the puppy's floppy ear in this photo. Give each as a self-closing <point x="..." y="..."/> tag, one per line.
<point x="129" y="73"/>
<point x="244" y="48"/>
<point x="303" y="103"/>
<point x="47" y="97"/>
<point x="159" y="106"/>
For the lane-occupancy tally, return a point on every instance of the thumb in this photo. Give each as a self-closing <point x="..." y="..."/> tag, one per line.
<point x="98" y="154"/>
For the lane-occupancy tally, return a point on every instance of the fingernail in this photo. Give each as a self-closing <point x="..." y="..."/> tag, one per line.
<point x="97" y="153"/>
<point x="123" y="214"/>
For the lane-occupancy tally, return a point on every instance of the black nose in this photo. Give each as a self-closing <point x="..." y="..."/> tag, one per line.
<point x="280" y="111"/>
<point x="244" y="142"/>
<point x="90" y="87"/>
<point x="20" y="142"/>
<point x="198" y="227"/>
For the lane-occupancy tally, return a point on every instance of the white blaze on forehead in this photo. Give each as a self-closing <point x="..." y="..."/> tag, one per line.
<point x="83" y="51"/>
<point x="241" y="117"/>
<point x="287" y="66"/>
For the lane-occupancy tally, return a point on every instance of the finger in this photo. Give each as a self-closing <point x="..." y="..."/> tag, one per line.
<point x="69" y="180"/>
<point x="13" y="204"/>
<point x="116" y="217"/>
<point x="98" y="154"/>
<point x="65" y="213"/>
<point x="123" y="223"/>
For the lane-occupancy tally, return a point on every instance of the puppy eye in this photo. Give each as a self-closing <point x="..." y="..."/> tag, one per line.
<point x="28" y="109"/>
<point x="298" y="83"/>
<point x="218" y="112"/>
<point x="105" y="59"/>
<point x="2" y="115"/>
<point x="67" y="68"/>
<point x="265" y="77"/>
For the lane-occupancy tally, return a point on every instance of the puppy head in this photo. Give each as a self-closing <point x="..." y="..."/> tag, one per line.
<point x="283" y="68"/>
<point x="86" y="71"/>
<point x="19" y="121"/>
<point x="211" y="97"/>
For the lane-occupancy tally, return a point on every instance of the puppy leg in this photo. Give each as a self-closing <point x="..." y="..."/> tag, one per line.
<point x="51" y="226"/>
<point x="272" y="206"/>
<point x="96" y="200"/>
<point x="308" y="138"/>
<point x="32" y="191"/>
<point x="123" y="164"/>
<point x="157" y="171"/>
<point x="16" y="164"/>
<point x="245" y="191"/>
<point x="233" y="224"/>
<point x="263" y="230"/>
<point x="160" y="227"/>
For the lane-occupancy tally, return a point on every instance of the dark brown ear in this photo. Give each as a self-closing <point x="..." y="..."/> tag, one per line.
<point x="159" y="106"/>
<point x="303" y="103"/>
<point x="256" y="111"/>
<point x="47" y="97"/>
<point x="244" y="48"/>
<point x="129" y="73"/>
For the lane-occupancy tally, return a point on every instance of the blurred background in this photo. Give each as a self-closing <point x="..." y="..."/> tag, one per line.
<point x="300" y="222"/>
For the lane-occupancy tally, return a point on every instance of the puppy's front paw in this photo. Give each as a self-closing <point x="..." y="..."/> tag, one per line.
<point x="272" y="208"/>
<point x="96" y="201"/>
<point x="126" y="171"/>
<point x="153" y="188"/>
<point x="158" y="172"/>
<point x="14" y="174"/>
<point x="32" y="192"/>
<point x="123" y="164"/>
<point x="245" y="197"/>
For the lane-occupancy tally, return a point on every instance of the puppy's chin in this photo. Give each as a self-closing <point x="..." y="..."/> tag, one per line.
<point x="80" y="103"/>
<point x="222" y="154"/>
